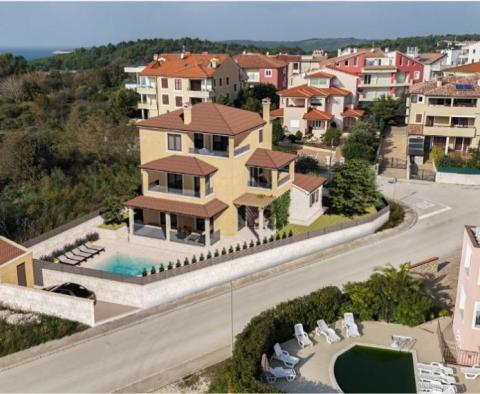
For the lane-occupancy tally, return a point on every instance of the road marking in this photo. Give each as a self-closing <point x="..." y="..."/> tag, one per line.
<point x="427" y="215"/>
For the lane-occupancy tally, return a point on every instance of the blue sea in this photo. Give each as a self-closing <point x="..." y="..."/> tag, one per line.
<point x="32" y="53"/>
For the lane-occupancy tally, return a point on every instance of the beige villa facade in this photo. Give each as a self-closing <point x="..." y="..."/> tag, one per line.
<point x="208" y="171"/>
<point x="16" y="264"/>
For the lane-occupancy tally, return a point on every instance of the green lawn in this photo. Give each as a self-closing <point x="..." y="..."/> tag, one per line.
<point x="326" y="220"/>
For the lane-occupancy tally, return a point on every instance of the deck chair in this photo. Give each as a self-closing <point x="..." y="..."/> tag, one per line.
<point x="272" y="374"/>
<point x="350" y="326"/>
<point x="329" y="333"/>
<point x="283" y="356"/>
<point x="471" y="373"/>
<point x="302" y="337"/>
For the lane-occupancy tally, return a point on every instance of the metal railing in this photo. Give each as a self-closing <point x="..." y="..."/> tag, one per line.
<point x="263" y="185"/>
<point x="283" y="180"/>
<point x="208" y="152"/>
<point x="241" y="149"/>
<point x="153" y="187"/>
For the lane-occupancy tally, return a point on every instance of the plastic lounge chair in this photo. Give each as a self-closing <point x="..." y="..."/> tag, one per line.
<point x="302" y="337"/>
<point x="71" y="256"/>
<point x="438" y="376"/>
<point x="95" y="247"/>
<point x="329" y="333"/>
<point x="432" y="386"/>
<point x="285" y="357"/>
<point x="349" y="324"/>
<point x="436" y="366"/>
<point x="272" y="374"/>
<point x="471" y="373"/>
<point x="65" y="260"/>
<point x="85" y="249"/>
<point x="79" y="253"/>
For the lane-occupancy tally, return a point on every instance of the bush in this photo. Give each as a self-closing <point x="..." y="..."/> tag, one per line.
<point x="112" y="212"/>
<point x="161" y="268"/>
<point x="230" y="249"/>
<point x="277" y="236"/>
<point x="153" y="270"/>
<point x="178" y="264"/>
<point x="258" y="242"/>
<point x="397" y="214"/>
<point x="307" y="165"/>
<point x="280" y="208"/>
<point x="186" y="261"/>
<point x="209" y="255"/>
<point x="245" y="246"/>
<point x="144" y="273"/>
<point x="332" y="136"/>
<point x="265" y="240"/>
<point x="216" y="254"/>
<point x="238" y="248"/>
<point x="170" y="265"/>
<point x="194" y="259"/>
<point x="271" y="239"/>
<point x="224" y="251"/>
<point x="278" y="133"/>
<point x="292" y="138"/>
<point x="290" y="233"/>
<point x="284" y="235"/>
<point x="252" y="244"/>
<point x="298" y="135"/>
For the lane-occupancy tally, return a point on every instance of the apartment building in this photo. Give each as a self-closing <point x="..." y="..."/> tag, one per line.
<point x="299" y="65"/>
<point x="379" y="72"/>
<point x="466" y="319"/>
<point x="469" y="52"/>
<point x="321" y="102"/>
<point x="16" y="264"/>
<point x="261" y="68"/>
<point x="172" y="79"/>
<point x="443" y="113"/>
<point x="463" y="70"/>
<point x="209" y="171"/>
<point x="434" y="63"/>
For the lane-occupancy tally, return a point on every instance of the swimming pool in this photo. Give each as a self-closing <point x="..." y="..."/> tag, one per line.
<point x="127" y="265"/>
<point x="365" y="369"/>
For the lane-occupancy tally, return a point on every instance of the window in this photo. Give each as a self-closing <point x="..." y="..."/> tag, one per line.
<point x="414" y="98"/>
<point x="268" y="72"/>
<point x="208" y="187"/>
<point x="416" y="74"/>
<point x="165" y="99"/>
<point x="234" y="87"/>
<point x="461" y="304"/>
<point x="214" y="82"/>
<point x="355" y="60"/>
<point x="345" y="63"/>
<point x="259" y="177"/>
<point x="401" y="60"/>
<point x="468" y="258"/>
<point x="317" y="124"/>
<point x="420" y="99"/>
<point x="296" y="67"/>
<point x="314" y="197"/>
<point x="294" y="124"/>
<point x="200" y="224"/>
<point x="418" y="118"/>
<point x="175" y="183"/>
<point x="198" y="141"/>
<point x="178" y="84"/>
<point x="476" y="317"/>
<point x="367" y="79"/>
<point x="173" y="220"/>
<point x="227" y="81"/>
<point x="196" y="186"/>
<point x="178" y="101"/>
<point x="174" y="142"/>
<point x="220" y="143"/>
<point x="220" y="82"/>
<point x="164" y="83"/>
<point x="260" y="136"/>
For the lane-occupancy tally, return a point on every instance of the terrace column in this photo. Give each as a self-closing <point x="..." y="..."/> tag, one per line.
<point x="446" y="145"/>
<point x="207" y="232"/>
<point x="131" y="221"/>
<point x="260" y="223"/>
<point x="168" y="226"/>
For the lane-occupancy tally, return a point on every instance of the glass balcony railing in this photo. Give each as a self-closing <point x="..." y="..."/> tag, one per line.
<point x="208" y="152"/>
<point x="153" y="187"/>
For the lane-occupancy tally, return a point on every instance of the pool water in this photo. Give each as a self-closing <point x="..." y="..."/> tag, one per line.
<point x="364" y="369"/>
<point x="127" y="265"/>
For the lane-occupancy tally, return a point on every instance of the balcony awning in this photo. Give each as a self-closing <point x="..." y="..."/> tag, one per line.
<point x="211" y="208"/>
<point x="254" y="200"/>
<point x="180" y="165"/>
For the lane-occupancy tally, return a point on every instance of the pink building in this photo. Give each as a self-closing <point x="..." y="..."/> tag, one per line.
<point x="466" y="321"/>
<point x="263" y="69"/>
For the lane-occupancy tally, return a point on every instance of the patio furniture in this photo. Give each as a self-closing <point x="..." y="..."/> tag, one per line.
<point x="432" y="386"/>
<point x="350" y="326"/>
<point x="85" y="249"/>
<point x="65" y="260"/>
<point x="272" y="374"/>
<point x="284" y="356"/>
<point x="471" y="373"/>
<point x="302" y="337"/>
<point x="438" y="376"/>
<point x="401" y="342"/>
<point x="71" y="256"/>
<point x="329" y="333"/>
<point x="80" y="253"/>
<point x="95" y="247"/>
<point x="436" y="366"/>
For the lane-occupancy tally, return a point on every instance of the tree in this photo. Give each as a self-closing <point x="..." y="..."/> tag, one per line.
<point x="386" y="108"/>
<point x="112" y="212"/>
<point x="124" y="103"/>
<point x="278" y="133"/>
<point x="332" y="136"/>
<point x="362" y="141"/>
<point x="353" y="189"/>
<point x="280" y="208"/>
<point x="306" y="165"/>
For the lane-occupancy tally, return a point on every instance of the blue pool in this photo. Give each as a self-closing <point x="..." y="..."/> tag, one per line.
<point x="127" y="265"/>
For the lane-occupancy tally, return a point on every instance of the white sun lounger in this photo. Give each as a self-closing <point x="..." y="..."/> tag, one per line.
<point x="436" y="366"/>
<point x="329" y="333"/>
<point x="350" y="326"/>
<point x="95" y="247"/>
<point x="438" y="376"/>
<point x="302" y="337"/>
<point x="285" y="357"/>
<point x="81" y="253"/>
<point x="272" y="374"/>
<point x="65" y="260"/>
<point x="471" y="373"/>
<point x="432" y="386"/>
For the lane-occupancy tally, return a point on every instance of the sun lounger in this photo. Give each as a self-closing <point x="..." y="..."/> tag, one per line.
<point x="471" y="373"/>
<point x="71" y="256"/>
<point x="272" y="374"/>
<point x="285" y="357"/>
<point x="80" y="253"/>
<point x="85" y="249"/>
<point x="329" y="333"/>
<point x="436" y="366"/>
<point x="95" y="247"/>
<point x="302" y="337"/>
<point x="438" y="376"/>
<point x="350" y="326"/>
<point x="65" y="260"/>
<point x="432" y="386"/>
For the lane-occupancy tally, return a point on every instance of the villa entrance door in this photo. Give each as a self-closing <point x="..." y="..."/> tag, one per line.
<point x="241" y="215"/>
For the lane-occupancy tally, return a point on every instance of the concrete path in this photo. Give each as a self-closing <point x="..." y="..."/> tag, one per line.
<point x="167" y="341"/>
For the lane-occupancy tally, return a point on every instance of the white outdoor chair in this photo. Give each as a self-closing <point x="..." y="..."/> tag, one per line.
<point x="302" y="337"/>
<point x="436" y="366"/>
<point x="349" y="324"/>
<point x="433" y="386"/>
<point x="438" y="376"/>
<point x="285" y="357"/>
<point x="471" y="373"/>
<point x="272" y="374"/>
<point x="329" y="333"/>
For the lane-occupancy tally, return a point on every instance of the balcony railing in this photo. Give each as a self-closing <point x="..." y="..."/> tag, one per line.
<point x="153" y="187"/>
<point x="263" y="185"/>
<point x="193" y="238"/>
<point x="241" y="149"/>
<point x="150" y="231"/>
<point x="208" y="152"/>
<point x="283" y="180"/>
<point x="209" y="190"/>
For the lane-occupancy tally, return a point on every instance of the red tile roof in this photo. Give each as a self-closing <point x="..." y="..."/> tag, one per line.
<point x="288" y="58"/>
<point x="207" y="210"/>
<point x="309" y="183"/>
<point x="207" y="118"/>
<point x="448" y="87"/>
<point x="353" y="113"/>
<point x="266" y="158"/>
<point x="277" y="113"/>
<point x="429" y="57"/>
<point x="258" y="60"/>
<point x="310" y="91"/>
<point x="315" y="114"/>
<point x="197" y="65"/>
<point x="320" y="74"/>
<point x="180" y="165"/>
<point x="470" y="68"/>
<point x="9" y="251"/>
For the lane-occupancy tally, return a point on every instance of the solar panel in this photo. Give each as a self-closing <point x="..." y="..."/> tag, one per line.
<point x="464" y="86"/>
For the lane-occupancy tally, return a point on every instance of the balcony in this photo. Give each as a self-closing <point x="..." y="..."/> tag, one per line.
<point x="260" y="184"/>
<point x="241" y="149"/>
<point x="208" y="152"/>
<point x="448" y="131"/>
<point x="192" y="237"/>
<point x="155" y="187"/>
<point x="283" y="180"/>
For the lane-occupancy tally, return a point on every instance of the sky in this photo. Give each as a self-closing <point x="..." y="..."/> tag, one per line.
<point x="68" y="25"/>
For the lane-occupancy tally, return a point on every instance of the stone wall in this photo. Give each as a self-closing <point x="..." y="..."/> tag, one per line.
<point x="459" y="179"/>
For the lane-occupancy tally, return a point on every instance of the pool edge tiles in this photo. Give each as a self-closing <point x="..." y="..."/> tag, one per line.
<point x="128" y="265"/>
<point x="331" y="367"/>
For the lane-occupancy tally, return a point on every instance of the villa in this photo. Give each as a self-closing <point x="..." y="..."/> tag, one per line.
<point x="261" y="68"/>
<point x="16" y="265"/>
<point x="209" y="171"/>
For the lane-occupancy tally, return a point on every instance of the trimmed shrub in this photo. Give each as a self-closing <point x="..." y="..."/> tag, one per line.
<point x="144" y="273"/>
<point x="161" y="268"/>
<point x="170" y="265"/>
<point x="202" y="257"/>
<point x="245" y="246"/>
<point x="224" y="251"/>
<point x="153" y="270"/>
<point x="230" y="249"/>
<point x="216" y="254"/>
<point x="290" y="233"/>
<point x="194" y="259"/>
<point x="271" y="239"/>
<point x="178" y="264"/>
<point x="186" y="261"/>
<point x="209" y="255"/>
<point x="265" y="240"/>
<point x="284" y="235"/>
<point x="258" y="243"/>
<point x="237" y="248"/>
<point x="277" y="236"/>
<point x="252" y="244"/>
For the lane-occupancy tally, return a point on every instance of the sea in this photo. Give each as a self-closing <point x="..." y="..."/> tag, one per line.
<point x="33" y="53"/>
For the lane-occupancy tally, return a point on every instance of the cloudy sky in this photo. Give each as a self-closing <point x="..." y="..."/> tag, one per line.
<point x="86" y="24"/>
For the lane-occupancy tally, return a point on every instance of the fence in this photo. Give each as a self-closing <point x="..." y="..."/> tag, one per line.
<point x="452" y="355"/>
<point x="422" y="175"/>
<point x="392" y="162"/>
<point x="169" y="273"/>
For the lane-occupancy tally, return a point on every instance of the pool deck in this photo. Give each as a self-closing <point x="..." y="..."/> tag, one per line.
<point x="315" y="369"/>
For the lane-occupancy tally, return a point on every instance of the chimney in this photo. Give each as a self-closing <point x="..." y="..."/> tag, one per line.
<point x="266" y="109"/>
<point x="213" y="62"/>
<point x="439" y="82"/>
<point x="187" y="113"/>
<point x="155" y="56"/>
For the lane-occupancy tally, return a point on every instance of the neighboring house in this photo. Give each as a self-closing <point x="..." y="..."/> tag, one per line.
<point x="443" y="113"/>
<point x="16" y="266"/>
<point x="463" y="70"/>
<point x="433" y="64"/>
<point x="469" y="52"/>
<point x="380" y="73"/>
<point x="316" y="105"/>
<point x="466" y="319"/>
<point x="172" y="79"/>
<point x="306" y="199"/>
<point x="209" y="171"/>
<point x="298" y="65"/>
<point x="261" y="68"/>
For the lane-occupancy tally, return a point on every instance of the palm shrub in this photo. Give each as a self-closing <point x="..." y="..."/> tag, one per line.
<point x="112" y="212"/>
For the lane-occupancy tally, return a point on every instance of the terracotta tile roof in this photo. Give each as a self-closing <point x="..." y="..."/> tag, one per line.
<point x="429" y="57"/>
<point x="211" y="208"/>
<point x="277" y="113"/>
<point x="288" y="58"/>
<point x="207" y="118"/>
<point x="449" y="87"/>
<point x="254" y="200"/>
<point x="470" y="68"/>
<point x="415" y="129"/>
<point x="266" y="158"/>
<point x="310" y="91"/>
<point x="353" y="113"/>
<point x="197" y="65"/>
<point x="315" y="114"/>
<point x="180" y="165"/>
<point x="258" y="60"/>
<point x="9" y="251"/>
<point x="320" y="74"/>
<point x="309" y="183"/>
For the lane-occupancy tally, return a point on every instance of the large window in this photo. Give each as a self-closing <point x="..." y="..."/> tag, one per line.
<point x="198" y="141"/>
<point x="476" y="317"/>
<point x="164" y="83"/>
<point x="260" y="177"/>
<point x="174" y="142"/>
<point x="175" y="183"/>
<point x="178" y="84"/>
<point x="178" y="101"/>
<point x="165" y="99"/>
<point x="367" y="79"/>
<point x="220" y="143"/>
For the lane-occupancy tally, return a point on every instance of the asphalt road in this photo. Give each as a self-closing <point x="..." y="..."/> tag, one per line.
<point x="124" y="356"/>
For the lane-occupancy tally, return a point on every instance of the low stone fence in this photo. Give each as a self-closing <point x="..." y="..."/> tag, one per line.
<point x="48" y="303"/>
<point x="457" y="178"/>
